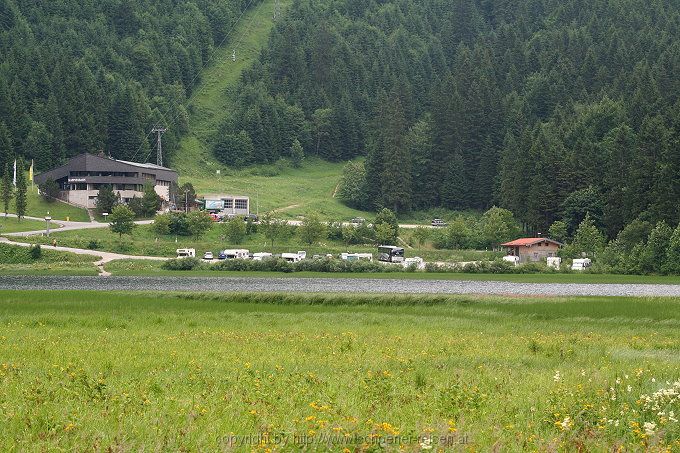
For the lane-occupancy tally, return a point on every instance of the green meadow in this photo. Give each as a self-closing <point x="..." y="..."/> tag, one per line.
<point x="192" y="372"/>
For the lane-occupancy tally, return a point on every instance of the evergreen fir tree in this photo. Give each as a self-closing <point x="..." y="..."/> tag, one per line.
<point x="7" y="188"/>
<point x="21" y="199"/>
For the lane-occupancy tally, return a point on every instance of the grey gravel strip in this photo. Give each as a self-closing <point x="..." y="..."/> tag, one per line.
<point x="331" y="285"/>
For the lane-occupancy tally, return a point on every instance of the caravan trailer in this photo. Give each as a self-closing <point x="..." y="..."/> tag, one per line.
<point x="186" y="253"/>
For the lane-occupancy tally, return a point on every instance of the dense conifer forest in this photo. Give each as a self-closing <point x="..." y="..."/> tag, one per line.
<point x="88" y="76"/>
<point x="544" y="107"/>
<point x="548" y="108"/>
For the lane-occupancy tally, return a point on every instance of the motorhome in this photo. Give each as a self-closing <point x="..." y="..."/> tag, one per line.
<point x="554" y="261"/>
<point x="356" y="256"/>
<point x="581" y="264"/>
<point x="186" y="253"/>
<point x="294" y="257"/>
<point x="512" y="259"/>
<point x="236" y="254"/>
<point x="260" y="256"/>
<point x="416" y="261"/>
<point x="390" y="254"/>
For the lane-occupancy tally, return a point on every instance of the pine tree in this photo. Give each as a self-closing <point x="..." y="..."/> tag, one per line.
<point x="6" y="150"/>
<point x="297" y="154"/>
<point x="126" y="137"/>
<point x="21" y="201"/>
<point x="396" y="165"/>
<point x="419" y="143"/>
<point x="106" y="199"/>
<point x="151" y="201"/>
<point x="454" y="187"/>
<point x="38" y="145"/>
<point x="7" y="189"/>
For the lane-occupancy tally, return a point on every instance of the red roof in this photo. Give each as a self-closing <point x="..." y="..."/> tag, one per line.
<point x="527" y="242"/>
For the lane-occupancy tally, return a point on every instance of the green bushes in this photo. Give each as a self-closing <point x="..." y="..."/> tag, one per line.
<point x="182" y="264"/>
<point x="330" y="265"/>
<point x="279" y="265"/>
<point x="10" y="254"/>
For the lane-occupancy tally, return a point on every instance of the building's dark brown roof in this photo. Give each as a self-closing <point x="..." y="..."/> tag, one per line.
<point x="89" y="162"/>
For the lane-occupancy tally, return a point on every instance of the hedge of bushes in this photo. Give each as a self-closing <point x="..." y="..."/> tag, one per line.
<point x="366" y="267"/>
<point x="280" y="265"/>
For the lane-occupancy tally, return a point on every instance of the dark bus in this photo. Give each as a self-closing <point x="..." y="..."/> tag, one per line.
<point x="390" y="254"/>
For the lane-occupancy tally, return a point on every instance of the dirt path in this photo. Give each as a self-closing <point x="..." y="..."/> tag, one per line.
<point x="99" y="258"/>
<point x="293" y="206"/>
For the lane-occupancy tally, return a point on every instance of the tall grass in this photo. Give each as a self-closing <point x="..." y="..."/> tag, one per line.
<point x="158" y="371"/>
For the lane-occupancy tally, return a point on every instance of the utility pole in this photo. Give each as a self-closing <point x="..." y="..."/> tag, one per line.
<point x="159" y="153"/>
<point x="186" y="201"/>
<point x="277" y="9"/>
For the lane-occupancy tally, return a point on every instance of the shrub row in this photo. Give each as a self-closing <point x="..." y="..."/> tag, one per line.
<point x="280" y="265"/>
<point x="342" y="266"/>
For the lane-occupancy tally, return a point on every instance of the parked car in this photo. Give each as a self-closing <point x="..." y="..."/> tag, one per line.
<point x="252" y="217"/>
<point x="208" y="256"/>
<point x="438" y="223"/>
<point x="222" y="255"/>
<point x="357" y="221"/>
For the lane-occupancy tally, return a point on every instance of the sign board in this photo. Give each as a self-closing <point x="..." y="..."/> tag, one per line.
<point x="214" y="204"/>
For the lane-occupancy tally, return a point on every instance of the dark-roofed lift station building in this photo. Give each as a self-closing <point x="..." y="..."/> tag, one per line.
<point x="82" y="176"/>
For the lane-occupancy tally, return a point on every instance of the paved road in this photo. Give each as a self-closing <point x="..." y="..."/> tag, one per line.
<point x="330" y="285"/>
<point x="62" y="225"/>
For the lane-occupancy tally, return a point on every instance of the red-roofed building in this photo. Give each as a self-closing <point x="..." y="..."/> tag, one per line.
<point x="532" y="249"/>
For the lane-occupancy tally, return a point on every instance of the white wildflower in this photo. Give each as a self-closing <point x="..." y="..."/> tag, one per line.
<point x="566" y="423"/>
<point x="556" y="378"/>
<point x="650" y="428"/>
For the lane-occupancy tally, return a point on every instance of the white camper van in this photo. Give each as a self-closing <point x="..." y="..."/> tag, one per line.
<point x="554" y="261"/>
<point x="415" y="261"/>
<point x="512" y="259"/>
<point x="294" y="257"/>
<point x="236" y="254"/>
<point x="581" y="264"/>
<point x="356" y="256"/>
<point x="186" y="253"/>
<point x="260" y="256"/>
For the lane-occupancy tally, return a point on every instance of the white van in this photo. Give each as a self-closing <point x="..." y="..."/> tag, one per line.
<point x="554" y="261"/>
<point x="186" y="253"/>
<point x="260" y="256"/>
<point x="415" y="261"/>
<point x="294" y="257"/>
<point x="236" y="254"/>
<point x="512" y="259"/>
<point x="356" y="256"/>
<point x="581" y="264"/>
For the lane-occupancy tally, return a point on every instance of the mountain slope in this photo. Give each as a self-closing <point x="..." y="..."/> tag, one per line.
<point x="211" y="102"/>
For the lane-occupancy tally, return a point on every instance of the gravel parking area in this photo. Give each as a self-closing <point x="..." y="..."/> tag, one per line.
<point x="332" y="285"/>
